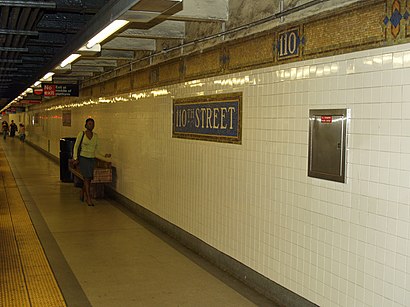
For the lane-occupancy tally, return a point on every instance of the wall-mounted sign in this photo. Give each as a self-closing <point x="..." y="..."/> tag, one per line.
<point x="38" y="91"/>
<point x="66" y="118"/>
<point x="326" y="119"/>
<point x="36" y="118"/>
<point x="288" y="44"/>
<point x="210" y="118"/>
<point x="52" y="90"/>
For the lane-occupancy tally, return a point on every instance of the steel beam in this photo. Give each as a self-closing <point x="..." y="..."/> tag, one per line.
<point x="24" y="3"/>
<point x="13" y="49"/>
<point x="49" y="38"/>
<point x="63" y="23"/>
<point x="15" y="75"/>
<point x="141" y="16"/>
<point x="83" y="6"/>
<point x="67" y="79"/>
<point x="117" y="55"/>
<point x="167" y="30"/>
<point x="35" y="59"/>
<point x="10" y="61"/>
<point x="96" y="62"/>
<point x="18" y="32"/>
<point x="77" y="68"/>
<point x="78" y="74"/>
<point x="124" y="43"/>
<point x="42" y="50"/>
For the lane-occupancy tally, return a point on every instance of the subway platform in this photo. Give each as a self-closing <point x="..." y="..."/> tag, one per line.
<point x="57" y="251"/>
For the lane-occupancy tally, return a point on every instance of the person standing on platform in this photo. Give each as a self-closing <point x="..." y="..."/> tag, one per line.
<point x="22" y="132"/>
<point x="5" y="129"/>
<point x="84" y="154"/>
<point x="13" y="129"/>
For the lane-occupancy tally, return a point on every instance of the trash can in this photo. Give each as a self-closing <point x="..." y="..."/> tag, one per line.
<point x="66" y="153"/>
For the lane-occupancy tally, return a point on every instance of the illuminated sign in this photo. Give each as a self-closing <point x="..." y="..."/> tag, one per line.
<point x="52" y="90"/>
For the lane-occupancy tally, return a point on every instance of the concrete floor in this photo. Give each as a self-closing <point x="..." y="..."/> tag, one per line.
<point x="104" y="256"/>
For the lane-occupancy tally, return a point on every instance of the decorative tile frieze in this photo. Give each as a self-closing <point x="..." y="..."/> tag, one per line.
<point x="141" y="79"/>
<point x="353" y="29"/>
<point x="202" y="64"/>
<point x="254" y="51"/>
<point x="169" y="71"/>
<point x="96" y="90"/>
<point x="362" y="25"/>
<point x="123" y="84"/>
<point x="407" y="17"/>
<point x="108" y="88"/>
<point x="396" y="20"/>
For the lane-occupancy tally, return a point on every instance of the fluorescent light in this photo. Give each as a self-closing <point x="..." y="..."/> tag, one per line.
<point x="106" y="32"/>
<point x="47" y="76"/>
<point x="89" y="51"/>
<point x="70" y="59"/>
<point x="37" y="83"/>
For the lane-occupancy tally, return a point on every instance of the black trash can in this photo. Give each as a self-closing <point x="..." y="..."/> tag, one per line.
<point x="66" y="153"/>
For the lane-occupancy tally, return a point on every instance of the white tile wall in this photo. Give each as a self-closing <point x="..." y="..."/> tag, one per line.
<point x="335" y="244"/>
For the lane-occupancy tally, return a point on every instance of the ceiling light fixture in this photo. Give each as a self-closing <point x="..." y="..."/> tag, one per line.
<point x="47" y="76"/>
<point x="106" y="32"/>
<point x="70" y="59"/>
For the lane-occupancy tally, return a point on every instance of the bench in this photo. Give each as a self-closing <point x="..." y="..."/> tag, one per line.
<point x="102" y="175"/>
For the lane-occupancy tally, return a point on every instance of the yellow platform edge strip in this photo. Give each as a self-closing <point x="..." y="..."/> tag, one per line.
<point x="26" y="278"/>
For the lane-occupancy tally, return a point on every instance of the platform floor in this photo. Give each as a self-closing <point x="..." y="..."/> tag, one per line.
<point x="97" y="256"/>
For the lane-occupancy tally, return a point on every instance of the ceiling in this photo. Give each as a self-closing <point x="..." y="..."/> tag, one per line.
<point x="36" y="36"/>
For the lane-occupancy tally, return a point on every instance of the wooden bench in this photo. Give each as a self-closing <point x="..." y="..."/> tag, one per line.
<point x="102" y="175"/>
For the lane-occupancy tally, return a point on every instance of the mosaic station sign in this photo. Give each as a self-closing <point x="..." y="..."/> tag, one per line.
<point x="210" y="118"/>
